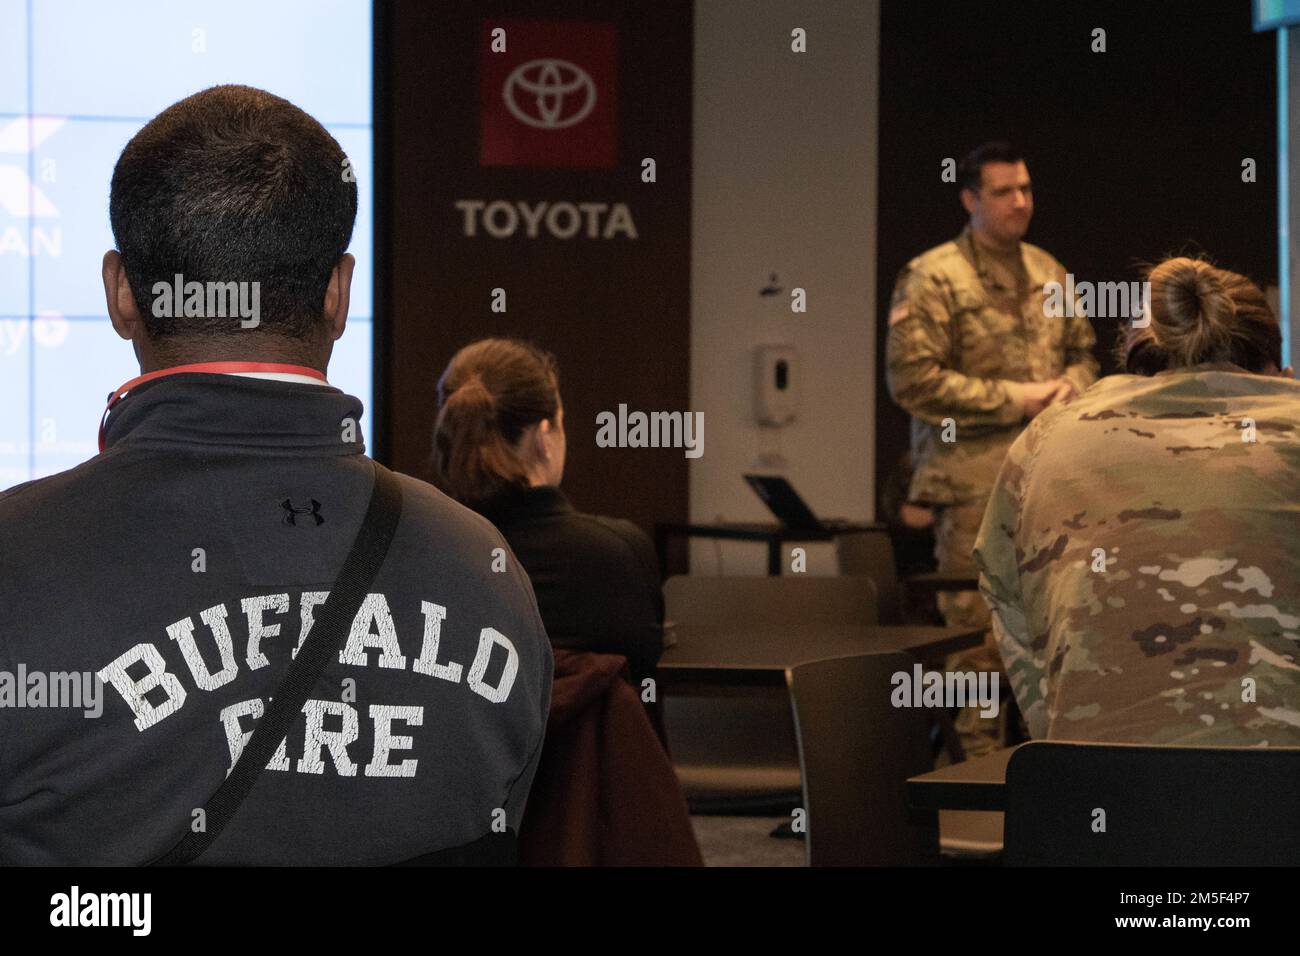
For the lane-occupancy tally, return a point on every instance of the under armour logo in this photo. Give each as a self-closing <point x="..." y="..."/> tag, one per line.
<point x="291" y="513"/>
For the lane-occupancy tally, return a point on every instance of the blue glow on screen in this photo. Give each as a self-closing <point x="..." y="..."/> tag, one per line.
<point x="78" y="78"/>
<point x="1271" y="14"/>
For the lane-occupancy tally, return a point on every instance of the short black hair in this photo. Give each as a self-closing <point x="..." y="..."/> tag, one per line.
<point x="971" y="168"/>
<point x="234" y="184"/>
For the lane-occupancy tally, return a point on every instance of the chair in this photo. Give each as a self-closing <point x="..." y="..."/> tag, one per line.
<point x="734" y="748"/>
<point x="856" y="751"/>
<point x="971" y="837"/>
<point x="1159" y="805"/>
<point x="870" y="554"/>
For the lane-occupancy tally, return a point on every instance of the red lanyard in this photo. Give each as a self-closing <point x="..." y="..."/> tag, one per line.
<point x="210" y="367"/>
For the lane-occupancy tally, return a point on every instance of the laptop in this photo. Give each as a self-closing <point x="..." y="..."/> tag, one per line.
<point x="791" y="510"/>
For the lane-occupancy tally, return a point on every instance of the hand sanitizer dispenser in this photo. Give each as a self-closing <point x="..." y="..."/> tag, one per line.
<point x="776" y="384"/>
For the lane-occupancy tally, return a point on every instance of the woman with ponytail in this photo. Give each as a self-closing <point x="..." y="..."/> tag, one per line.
<point x="1141" y="550"/>
<point x="1200" y="315"/>
<point x="499" y="448"/>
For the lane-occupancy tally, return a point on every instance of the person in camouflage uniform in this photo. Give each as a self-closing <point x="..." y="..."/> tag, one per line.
<point x="1140" y="551"/>
<point x="971" y="353"/>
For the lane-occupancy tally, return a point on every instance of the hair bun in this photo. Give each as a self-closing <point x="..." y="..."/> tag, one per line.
<point x="1192" y="313"/>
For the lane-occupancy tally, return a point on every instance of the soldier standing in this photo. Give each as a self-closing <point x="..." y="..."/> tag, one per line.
<point x="971" y="355"/>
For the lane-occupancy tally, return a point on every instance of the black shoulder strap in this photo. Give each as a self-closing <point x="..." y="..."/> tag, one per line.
<point x="333" y="620"/>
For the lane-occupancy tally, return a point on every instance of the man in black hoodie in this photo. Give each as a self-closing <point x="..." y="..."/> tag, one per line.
<point x="184" y="565"/>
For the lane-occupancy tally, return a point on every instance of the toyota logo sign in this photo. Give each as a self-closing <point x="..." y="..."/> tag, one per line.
<point x="551" y="101"/>
<point x="549" y="93"/>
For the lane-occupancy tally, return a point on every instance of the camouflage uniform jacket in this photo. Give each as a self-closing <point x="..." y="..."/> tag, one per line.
<point x="964" y="331"/>
<point x="1190" y="633"/>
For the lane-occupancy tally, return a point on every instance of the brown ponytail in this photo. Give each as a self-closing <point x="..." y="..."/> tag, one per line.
<point x="490" y="392"/>
<point x="1201" y="314"/>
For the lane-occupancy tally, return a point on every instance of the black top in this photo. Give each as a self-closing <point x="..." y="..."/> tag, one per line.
<point x="183" y="566"/>
<point x="596" y="579"/>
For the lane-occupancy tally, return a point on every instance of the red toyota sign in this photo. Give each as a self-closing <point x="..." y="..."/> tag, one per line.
<point x="550" y="99"/>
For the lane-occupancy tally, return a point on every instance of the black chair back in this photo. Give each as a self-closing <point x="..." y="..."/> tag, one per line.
<point x="870" y="554"/>
<point x="856" y="751"/>
<point x="1087" y="804"/>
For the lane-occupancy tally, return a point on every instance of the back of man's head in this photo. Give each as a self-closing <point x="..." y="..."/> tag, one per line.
<point x="233" y="184"/>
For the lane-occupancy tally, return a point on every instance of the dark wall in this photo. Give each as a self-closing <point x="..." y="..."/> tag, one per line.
<point x="615" y="313"/>
<point x="1135" y="153"/>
